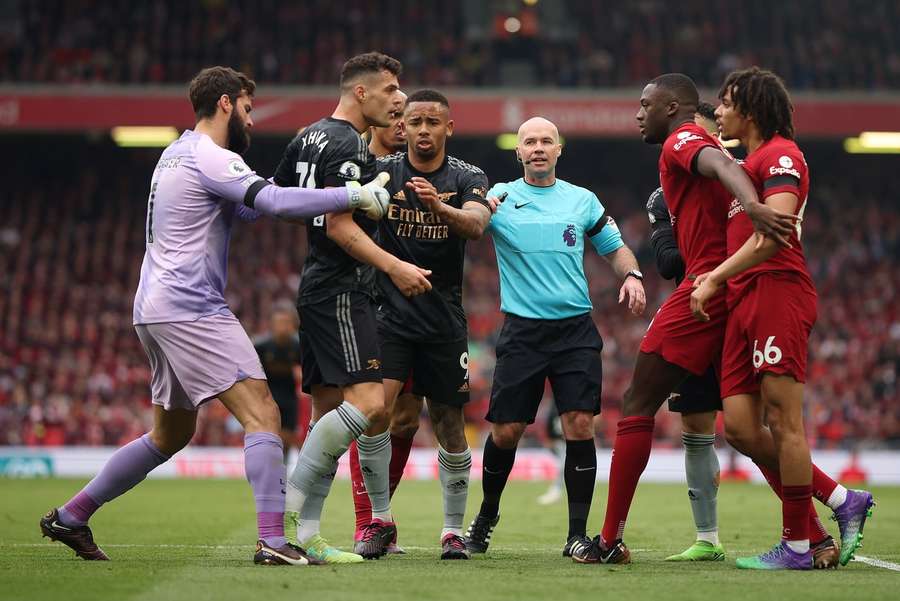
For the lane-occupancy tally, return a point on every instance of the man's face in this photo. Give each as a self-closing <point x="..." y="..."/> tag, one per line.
<point x="538" y="148"/>
<point x="282" y="325"/>
<point x="732" y="124"/>
<point x="381" y="98"/>
<point x="239" y="124"/>
<point x="653" y="116"/>
<point x="393" y="136"/>
<point x="427" y="126"/>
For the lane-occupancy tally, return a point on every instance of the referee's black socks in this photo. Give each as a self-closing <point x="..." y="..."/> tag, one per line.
<point x="581" y="474"/>
<point x="496" y="464"/>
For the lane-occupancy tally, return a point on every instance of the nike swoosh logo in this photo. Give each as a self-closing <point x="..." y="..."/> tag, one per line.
<point x="58" y="526"/>
<point x="519" y="206"/>
<point x="584" y="469"/>
<point x="487" y="471"/>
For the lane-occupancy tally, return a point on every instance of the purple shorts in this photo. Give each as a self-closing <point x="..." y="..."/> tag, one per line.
<point x="192" y="362"/>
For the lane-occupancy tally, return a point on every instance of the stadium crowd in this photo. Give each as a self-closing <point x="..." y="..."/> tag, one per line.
<point x="814" y="45"/>
<point x="73" y="372"/>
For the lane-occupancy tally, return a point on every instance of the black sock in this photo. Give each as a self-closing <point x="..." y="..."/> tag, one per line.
<point x="496" y="465"/>
<point x="581" y="474"/>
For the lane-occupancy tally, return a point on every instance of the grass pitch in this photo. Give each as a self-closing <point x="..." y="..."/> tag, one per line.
<point x="194" y="540"/>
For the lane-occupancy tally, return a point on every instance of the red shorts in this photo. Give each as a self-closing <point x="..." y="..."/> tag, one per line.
<point x="677" y="336"/>
<point x="768" y="331"/>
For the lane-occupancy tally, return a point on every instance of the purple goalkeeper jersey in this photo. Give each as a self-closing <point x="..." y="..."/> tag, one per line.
<point x="197" y="190"/>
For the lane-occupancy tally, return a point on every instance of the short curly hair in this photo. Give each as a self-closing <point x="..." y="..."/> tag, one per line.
<point x="761" y="94"/>
<point x="364" y="64"/>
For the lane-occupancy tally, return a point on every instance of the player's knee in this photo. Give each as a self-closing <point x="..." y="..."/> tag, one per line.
<point x="578" y="425"/>
<point x="506" y="436"/>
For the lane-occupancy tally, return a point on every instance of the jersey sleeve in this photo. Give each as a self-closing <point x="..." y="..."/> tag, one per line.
<point x="474" y="186"/>
<point x="682" y="149"/>
<point x="781" y="170"/>
<point x="601" y="228"/>
<point x="285" y="173"/>
<point x="344" y="161"/>
<point x="225" y="174"/>
<point x="669" y="261"/>
<point x="495" y="191"/>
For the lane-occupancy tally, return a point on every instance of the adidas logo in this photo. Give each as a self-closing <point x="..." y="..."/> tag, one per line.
<point x="458" y="485"/>
<point x="367" y="471"/>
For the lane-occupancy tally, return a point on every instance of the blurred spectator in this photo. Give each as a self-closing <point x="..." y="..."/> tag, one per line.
<point x="813" y="45"/>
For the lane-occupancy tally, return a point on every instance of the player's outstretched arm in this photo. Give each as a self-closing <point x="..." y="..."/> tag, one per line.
<point x="766" y="220"/>
<point x="750" y="254"/>
<point x="468" y="222"/>
<point x="343" y="231"/>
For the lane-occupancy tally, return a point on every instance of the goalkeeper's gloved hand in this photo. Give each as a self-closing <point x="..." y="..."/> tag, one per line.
<point x="372" y="198"/>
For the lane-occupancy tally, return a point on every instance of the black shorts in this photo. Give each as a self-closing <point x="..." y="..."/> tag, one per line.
<point x="567" y="351"/>
<point x="339" y="345"/>
<point x="697" y="394"/>
<point x="440" y="371"/>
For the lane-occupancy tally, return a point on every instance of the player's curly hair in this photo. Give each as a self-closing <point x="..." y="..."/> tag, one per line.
<point x="209" y="85"/>
<point x="707" y="111"/>
<point x="761" y="94"/>
<point x="370" y="62"/>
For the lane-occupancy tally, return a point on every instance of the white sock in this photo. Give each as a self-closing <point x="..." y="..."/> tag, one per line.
<point x="307" y="529"/>
<point x="454" y="469"/>
<point x="837" y="498"/>
<point x="798" y="546"/>
<point x="712" y="537"/>
<point x="374" y="462"/>
<point x="293" y="498"/>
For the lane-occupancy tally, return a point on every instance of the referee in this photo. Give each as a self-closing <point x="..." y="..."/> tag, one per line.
<point x="539" y="236"/>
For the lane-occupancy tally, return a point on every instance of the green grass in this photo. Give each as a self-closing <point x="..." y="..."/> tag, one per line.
<point x="194" y="539"/>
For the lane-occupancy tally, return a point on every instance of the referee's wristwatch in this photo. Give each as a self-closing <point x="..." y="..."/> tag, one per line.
<point x="634" y="273"/>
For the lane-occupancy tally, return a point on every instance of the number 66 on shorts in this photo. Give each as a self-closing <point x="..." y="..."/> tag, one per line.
<point x="767" y="332"/>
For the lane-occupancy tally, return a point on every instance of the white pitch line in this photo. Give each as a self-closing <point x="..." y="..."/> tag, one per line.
<point x="878" y="563"/>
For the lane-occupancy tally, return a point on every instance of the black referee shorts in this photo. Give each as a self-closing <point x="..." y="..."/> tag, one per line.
<point x="339" y="345"/>
<point x="529" y="351"/>
<point x="697" y="394"/>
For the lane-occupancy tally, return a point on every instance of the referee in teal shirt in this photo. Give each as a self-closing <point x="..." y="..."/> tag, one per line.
<point x="539" y="234"/>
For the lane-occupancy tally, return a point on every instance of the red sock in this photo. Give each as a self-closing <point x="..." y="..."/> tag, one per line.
<point x="822" y="484"/>
<point x="631" y="450"/>
<point x="400" y="448"/>
<point x="361" y="504"/>
<point x="795" y="512"/>
<point x="817" y="531"/>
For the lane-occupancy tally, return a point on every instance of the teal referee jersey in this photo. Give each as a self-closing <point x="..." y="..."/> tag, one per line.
<point x="539" y="235"/>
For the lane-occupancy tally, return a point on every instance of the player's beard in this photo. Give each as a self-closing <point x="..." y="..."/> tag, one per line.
<point x="238" y="136"/>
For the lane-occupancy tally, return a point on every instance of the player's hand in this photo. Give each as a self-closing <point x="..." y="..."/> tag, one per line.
<point x="633" y="291"/>
<point x="409" y="279"/>
<point x="494" y="202"/>
<point x="372" y="198"/>
<point x="427" y="193"/>
<point x="773" y="223"/>
<point x="704" y="289"/>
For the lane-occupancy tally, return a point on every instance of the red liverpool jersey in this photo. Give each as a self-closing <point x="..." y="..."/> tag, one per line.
<point x="698" y="205"/>
<point x="776" y="166"/>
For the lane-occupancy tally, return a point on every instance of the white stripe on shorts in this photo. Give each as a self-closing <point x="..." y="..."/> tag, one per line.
<point x="352" y="330"/>
<point x="348" y="338"/>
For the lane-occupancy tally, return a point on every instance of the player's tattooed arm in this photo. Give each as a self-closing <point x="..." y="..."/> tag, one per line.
<point x="343" y="231"/>
<point x="711" y="163"/>
<point x="468" y="222"/>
